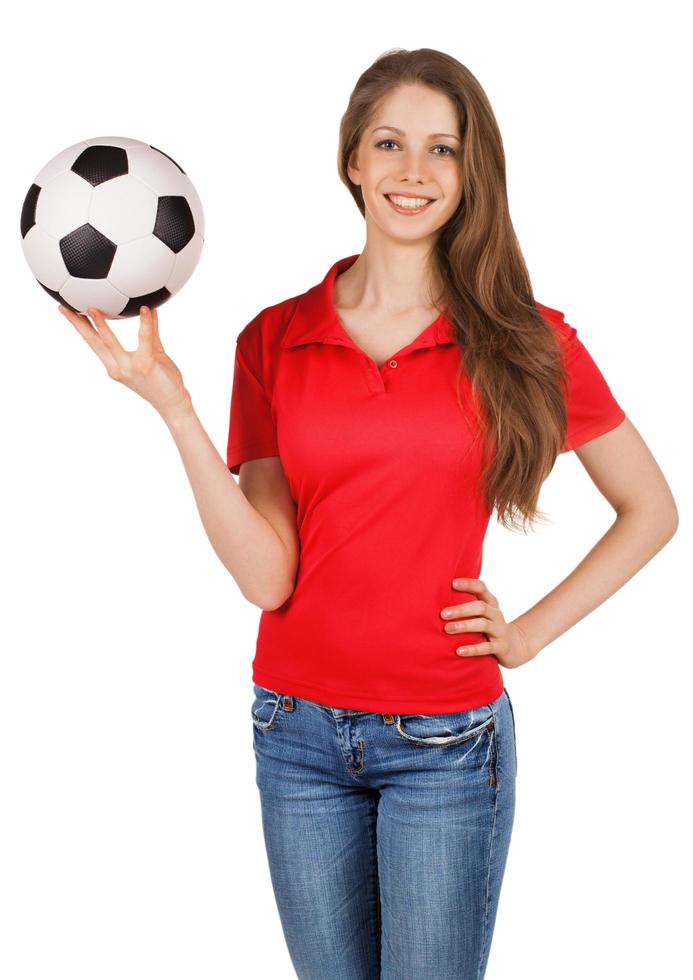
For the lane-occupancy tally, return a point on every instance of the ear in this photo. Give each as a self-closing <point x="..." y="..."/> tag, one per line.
<point x="353" y="168"/>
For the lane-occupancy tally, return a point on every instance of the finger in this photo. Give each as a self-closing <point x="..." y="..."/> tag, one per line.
<point x="86" y="329"/>
<point x="78" y="319"/>
<point x="155" y="338"/>
<point x="482" y="624"/>
<point x="476" y="586"/>
<point x="472" y="608"/>
<point x="145" y="332"/>
<point x="108" y="338"/>
<point x="476" y="650"/>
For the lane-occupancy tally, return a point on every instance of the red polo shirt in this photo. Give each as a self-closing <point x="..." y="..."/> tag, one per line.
<point x="389" y="504"/>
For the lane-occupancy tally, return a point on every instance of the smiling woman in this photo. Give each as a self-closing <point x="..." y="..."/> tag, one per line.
<point x="397" y="403"/>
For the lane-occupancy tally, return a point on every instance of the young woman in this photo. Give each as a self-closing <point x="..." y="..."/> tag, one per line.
<point x="377" y="420"/>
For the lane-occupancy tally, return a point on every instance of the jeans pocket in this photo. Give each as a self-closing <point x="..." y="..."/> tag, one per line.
<point x="447" y="729"/>
<point x="264" y="708"/>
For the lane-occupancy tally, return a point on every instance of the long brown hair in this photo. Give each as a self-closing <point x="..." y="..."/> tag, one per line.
<point x="509" y="352"/>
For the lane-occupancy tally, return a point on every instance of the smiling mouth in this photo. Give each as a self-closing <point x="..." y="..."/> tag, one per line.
<point x="405" y="204"/>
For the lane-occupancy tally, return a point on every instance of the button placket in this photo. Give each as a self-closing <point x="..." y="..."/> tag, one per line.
<point x="376" y="376"/>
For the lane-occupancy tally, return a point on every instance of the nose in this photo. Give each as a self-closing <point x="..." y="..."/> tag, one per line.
<point x="413" y="167"/>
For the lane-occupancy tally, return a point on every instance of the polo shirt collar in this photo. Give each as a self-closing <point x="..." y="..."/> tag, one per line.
<point x="315" y="317"/>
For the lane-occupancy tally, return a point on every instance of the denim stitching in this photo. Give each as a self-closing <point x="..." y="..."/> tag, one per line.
<point x="375" y="878"/>
<point x="488" y="874"/>
<point x="514" y="731"/>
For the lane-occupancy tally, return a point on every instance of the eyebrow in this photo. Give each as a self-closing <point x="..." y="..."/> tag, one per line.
<point x="432" y="136"/>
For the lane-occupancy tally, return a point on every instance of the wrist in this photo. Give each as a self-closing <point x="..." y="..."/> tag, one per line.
<point x="179" y="414"/>
<point x="530" y="644"/>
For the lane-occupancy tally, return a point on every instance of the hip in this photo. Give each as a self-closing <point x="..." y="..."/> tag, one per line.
<point x="475" y="749"/>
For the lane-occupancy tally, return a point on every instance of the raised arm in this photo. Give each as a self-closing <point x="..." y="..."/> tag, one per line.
<point x="252" y="529"/>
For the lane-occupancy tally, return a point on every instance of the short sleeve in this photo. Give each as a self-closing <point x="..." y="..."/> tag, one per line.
<point x="252" y="431"/>
<point x="592" y="407"/>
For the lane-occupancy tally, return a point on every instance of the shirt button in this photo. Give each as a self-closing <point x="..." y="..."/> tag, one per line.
<point x="392" y="363"/>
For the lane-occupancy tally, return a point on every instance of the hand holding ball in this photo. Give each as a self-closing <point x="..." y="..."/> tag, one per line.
<point x="148" y="371"/>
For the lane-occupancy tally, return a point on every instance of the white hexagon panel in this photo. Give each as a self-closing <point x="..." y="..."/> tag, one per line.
<point x="112" y="223"/>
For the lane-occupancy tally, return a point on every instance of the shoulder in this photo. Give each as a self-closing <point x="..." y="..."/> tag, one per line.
<point x="555" y="317"/>
<point x="565" y="333"/>
<point x="267" y="327"/>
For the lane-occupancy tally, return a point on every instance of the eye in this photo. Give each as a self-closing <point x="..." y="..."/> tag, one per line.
<point x="442" y="146"/>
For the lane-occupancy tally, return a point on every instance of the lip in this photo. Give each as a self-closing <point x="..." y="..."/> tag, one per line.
<point x="409" y="211"/>
<point x="404" y="194"/>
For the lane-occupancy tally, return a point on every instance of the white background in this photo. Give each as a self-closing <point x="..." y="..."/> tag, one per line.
<point x="130" y="834"/>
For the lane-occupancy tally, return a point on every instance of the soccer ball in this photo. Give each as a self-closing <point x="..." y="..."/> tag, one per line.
<point x="112" y="223"/>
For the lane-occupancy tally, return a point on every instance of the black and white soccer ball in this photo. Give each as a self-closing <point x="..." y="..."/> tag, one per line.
<point x="112" y="223"/>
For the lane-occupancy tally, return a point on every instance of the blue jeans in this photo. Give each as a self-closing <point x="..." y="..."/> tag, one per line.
<point x="386" y="835"/>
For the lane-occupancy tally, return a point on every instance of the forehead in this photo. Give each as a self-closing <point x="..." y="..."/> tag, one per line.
<point x="416" y="109"/>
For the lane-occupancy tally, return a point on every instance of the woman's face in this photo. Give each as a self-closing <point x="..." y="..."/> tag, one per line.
<point x="402" y="151"/>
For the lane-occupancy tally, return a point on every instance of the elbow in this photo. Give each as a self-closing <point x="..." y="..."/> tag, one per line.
<point x="660" y="519"/>
<point x="273" y="606"/>
<point x="271" y="599"/>
<point x="272" y="603"/>
<point x="280" y="590"/>
<point x="283" y="589"/>
<point x="267" y="603"/>
<point x="674" y="521"/>
<point x="272" y="579"/>
<point x="669" y="517"/>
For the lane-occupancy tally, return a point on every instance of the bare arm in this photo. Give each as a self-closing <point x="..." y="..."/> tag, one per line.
<point x="623" y="469"/>
<point x="251" y="524"/>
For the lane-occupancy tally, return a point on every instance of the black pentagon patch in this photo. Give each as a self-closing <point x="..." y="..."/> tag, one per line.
<point x="100" y="163"/>
<point x="152" y="300"/>
<point x="28" y="219"/>
<point x="169" y="158"/>
<point x="87" y="253"/>
<point x="174" y="224"/>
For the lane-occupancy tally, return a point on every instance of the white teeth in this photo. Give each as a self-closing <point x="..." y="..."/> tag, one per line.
<point x="409" y="202"/>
